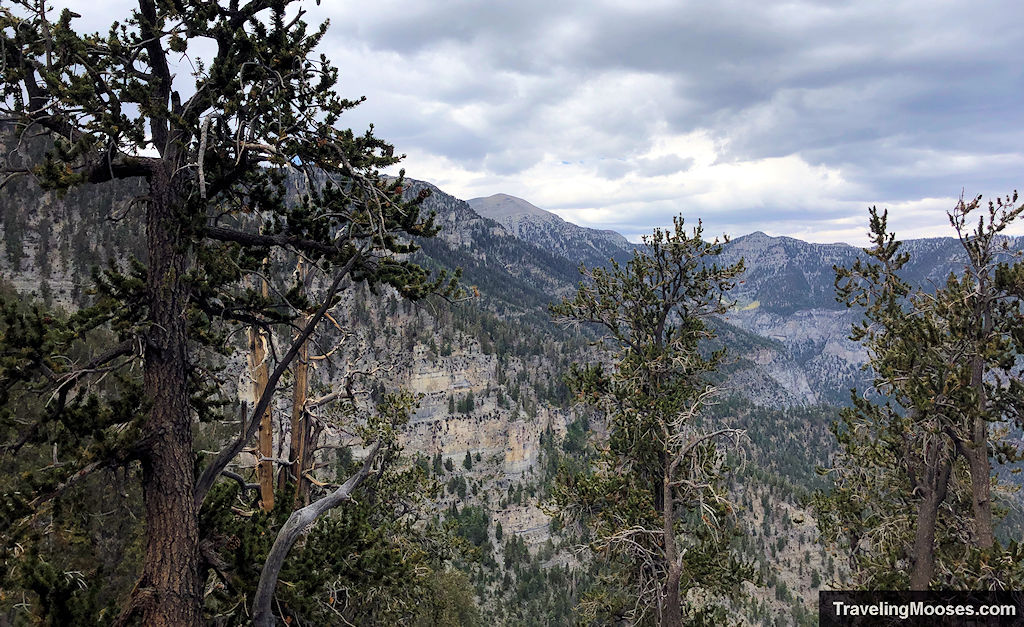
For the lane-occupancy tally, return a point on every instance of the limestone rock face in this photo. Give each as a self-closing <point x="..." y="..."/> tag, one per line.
<point x="488" y="430"/>
<point x="818" y="345"/>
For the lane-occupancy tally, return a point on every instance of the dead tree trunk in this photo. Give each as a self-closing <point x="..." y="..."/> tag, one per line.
<point x="260" y="369"/>
<point x="300" y="444"/>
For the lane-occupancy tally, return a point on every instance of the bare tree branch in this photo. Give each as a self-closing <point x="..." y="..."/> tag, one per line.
<point x="297" y="524"/>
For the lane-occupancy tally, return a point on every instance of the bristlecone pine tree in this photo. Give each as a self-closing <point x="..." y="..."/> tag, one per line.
<point x="912" y="501"/>
<point x="215" y="147"/>
<point x="655" y="501"/>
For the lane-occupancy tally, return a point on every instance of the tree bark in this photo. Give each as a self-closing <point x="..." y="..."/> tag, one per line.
<point x="297" y="524"/>
<point x="300" y="444"/>
<point x="977" y="454"/>
<point x="923" y="557"/>
<point x="672" y="612"/>
<point x="169" y="590"/>
<point x="934" y="490"/>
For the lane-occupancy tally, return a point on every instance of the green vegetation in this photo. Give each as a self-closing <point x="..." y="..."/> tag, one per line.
<point x="913" y="501"/>
<point x="238" y="182"/>
<point x="135" y="490"/>
<point x="655" y="501"/>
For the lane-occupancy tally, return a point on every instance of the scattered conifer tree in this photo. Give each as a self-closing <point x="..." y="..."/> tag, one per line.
<point x="655" y="501"/>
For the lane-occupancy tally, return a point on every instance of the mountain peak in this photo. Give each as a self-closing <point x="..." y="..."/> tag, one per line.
<point x="542" y="228"/>
<point x="501" y="206"/>
<point x="756" y="236"/>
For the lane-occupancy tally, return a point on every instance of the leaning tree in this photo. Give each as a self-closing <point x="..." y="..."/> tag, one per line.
<point x="239" y="164"/>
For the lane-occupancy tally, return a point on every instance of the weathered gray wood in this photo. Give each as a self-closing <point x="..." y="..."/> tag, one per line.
<point x="297" y="524"/>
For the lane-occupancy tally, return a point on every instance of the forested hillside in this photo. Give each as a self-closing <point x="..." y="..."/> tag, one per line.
<point x="491" y="371"/>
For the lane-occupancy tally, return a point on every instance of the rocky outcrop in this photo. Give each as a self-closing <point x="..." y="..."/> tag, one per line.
<point x="817" y="341"/>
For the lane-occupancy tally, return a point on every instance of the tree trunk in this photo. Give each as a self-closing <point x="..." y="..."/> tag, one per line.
<point x="923" y="557"/>
<point x="934" y="491"/>
<point x="169" y="589"/>
<point x="977" y="457"/>
<point x="673" y="615"/>
<point x="299" y="449"/>
<point x="300" y="425"/>
<point x="981" y="488"/>
<point x="672" y="612"/>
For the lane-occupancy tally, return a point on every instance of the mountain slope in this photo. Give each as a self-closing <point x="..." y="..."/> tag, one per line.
<point x="788" y="294"/>
<point x="490" y="370"/>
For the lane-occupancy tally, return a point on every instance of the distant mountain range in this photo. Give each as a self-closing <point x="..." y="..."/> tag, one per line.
<point x="789" y="332"/>
<point x="786" y="295"/>
<point x="522" y="258"/>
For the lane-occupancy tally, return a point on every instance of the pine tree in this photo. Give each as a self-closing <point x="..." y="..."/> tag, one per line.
<point x="913" y="364"/>
<point x="986" y="300"/>
<point x="655" y="501"/>
<point x="217" y="167"/>
<point x="910" y="483"/>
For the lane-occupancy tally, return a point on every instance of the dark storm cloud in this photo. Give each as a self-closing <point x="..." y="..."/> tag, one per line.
<point x="795" y="108"/>
<point x="663" y="165"/>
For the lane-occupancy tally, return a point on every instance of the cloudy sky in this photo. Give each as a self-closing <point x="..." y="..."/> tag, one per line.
<point x="786" y="117"/>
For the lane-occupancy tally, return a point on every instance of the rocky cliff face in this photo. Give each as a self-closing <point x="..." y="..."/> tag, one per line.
<point x="793" y="348"/>
<point x="816" y="342"/>
<point x="508" y="434"/>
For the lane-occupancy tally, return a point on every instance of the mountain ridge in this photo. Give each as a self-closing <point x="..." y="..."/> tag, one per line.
<point x="786" y="294"/>
<point x="551" y="232"/>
